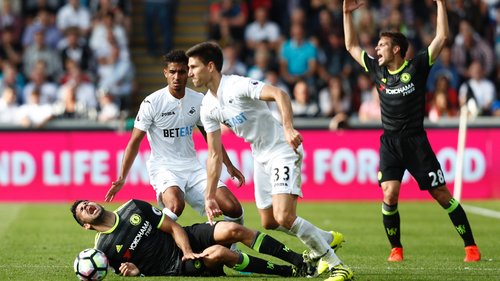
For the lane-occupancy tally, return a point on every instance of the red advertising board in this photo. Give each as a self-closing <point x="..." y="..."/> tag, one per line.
<point x="63" y="166"/>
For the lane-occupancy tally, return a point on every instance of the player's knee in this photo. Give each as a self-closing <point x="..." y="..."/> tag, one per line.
<point x="228" y="203"/>
<point x="174" y="204"/>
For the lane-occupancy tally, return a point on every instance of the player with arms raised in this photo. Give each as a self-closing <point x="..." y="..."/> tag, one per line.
<point x="404" y="144"/>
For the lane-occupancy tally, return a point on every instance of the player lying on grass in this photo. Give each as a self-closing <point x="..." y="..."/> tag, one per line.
<point x="139" y="239"/>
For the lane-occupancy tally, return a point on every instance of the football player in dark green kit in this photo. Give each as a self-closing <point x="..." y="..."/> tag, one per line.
<point x="139" y="239"/>
<point x="404" y="144"/>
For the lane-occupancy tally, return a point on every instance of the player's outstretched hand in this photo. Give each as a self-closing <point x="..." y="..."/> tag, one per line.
<point x="129" y="269"/>
<point x="212" y="209"/>
<point x="236" y="174"/>
<point x="113" y="190"/>
<point x="351" y="5"/>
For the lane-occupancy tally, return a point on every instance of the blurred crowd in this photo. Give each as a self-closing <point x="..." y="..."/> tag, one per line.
<point x="64" y="59"/>
<point x="299" y="46"/>
<point x="70" y="58"/>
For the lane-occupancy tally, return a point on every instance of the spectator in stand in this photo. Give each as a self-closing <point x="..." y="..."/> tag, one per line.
<point x="365" y="20"/>
<point x="38" y="84"/>
<point x="477" y="92"/>
<point x="228" y="19"/>
<point x="69" y="66"/>
<point x="11" y="78"/>
<point x="108" y="110"/>
<point x="40" y="51"/>
<point x="335" y="98"/>
<point x="106" y="33"/>
<point x="443" y="85"/>
<point x="10" y="50"/>
<point x="369" y="111"/>
<point x="334" y="60"/>
<point x="8" y="106"/>
<point x="159" y="13"/>
<point x="232" y="63"/>
<point x="324" y="29"/>
<point x="77" y="97"/>
<point x="10" y="20"/>
<point x="76" y="49"/>
<point x="35" y="114"/>
<point x="44" y="22"/>
<point x="31" y="8"/>
<point x="362" y="91"/>
<point x="116" y="74"/>
<point x="286" y="13"/>
<point x="74" y="15"/>
<point x="303" y="105"/>
<point x="261" y="64"/>
<point x="443" y="66"/>
<point x="441" y="107"/>
<point x="469" y="46"/>
<point x="298" y="58"/>
<point x="262" y="31"/>
<point x="121" y="10"/>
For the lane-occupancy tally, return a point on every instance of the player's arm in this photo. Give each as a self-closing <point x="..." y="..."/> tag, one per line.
<point x="442" y="31"/>
<point x="214" y="166"/>
<point x="128" y="159"/>
<point x="351" y="39"/>
<point x="231" y="169"/>
<point x="180" y="236"/>
<point x="282" y="99"/>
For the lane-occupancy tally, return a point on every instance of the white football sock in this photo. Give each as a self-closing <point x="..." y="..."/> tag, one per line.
<point x="170" y="214"/>
<point x="238" y="220"/>
<point x="312" y="237"/>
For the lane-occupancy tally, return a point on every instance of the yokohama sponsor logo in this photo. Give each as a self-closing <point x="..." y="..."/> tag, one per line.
<point x="145" y="230"/>
<point x="406" y="90"/>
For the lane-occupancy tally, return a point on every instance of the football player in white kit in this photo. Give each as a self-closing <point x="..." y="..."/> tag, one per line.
<point x="168" y="117"/>
<point x="240" y="104"/>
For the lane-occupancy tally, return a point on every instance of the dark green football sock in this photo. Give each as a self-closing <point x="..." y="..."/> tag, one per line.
<point x="390" y="216"/>
<point x="266" y="244"/>
<point x="249" y="263"/>
<point x="460" y="221"/>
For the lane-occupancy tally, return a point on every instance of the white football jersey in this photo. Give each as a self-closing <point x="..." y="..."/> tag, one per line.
<point x="237" y="105"/>
<point x="169" y="123"/>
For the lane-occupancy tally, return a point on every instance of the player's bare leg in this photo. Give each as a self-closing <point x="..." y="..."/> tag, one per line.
<point x="229" y="205"/>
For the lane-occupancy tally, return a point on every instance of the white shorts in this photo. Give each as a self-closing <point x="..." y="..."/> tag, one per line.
<point x="281" y="175"/>
<point x="192" y="182"/>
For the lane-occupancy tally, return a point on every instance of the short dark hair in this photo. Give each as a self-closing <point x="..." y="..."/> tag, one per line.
<point x="73" y="210"/>
<point x="176" y="56"/>
<point x="207" y="52"/>
<point x="397" y="39"/>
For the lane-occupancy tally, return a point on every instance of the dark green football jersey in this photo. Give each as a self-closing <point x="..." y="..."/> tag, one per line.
<point x="135" y="238"/>
<point x="402" y="93"/>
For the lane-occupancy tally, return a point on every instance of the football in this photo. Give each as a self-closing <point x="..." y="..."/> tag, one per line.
<point x="91" y="264"/>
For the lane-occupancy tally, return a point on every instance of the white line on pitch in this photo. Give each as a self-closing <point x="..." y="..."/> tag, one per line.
<point x="482" y="211"/>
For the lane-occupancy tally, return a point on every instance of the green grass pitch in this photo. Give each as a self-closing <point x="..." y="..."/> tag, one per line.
<point x="40" y="241"/>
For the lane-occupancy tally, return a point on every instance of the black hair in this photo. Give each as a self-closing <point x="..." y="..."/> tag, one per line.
<point x="177" y="56"/>
<point x="397" y="39"/>
<point x="73" y="210"/>
<point x="207" y="52"/>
